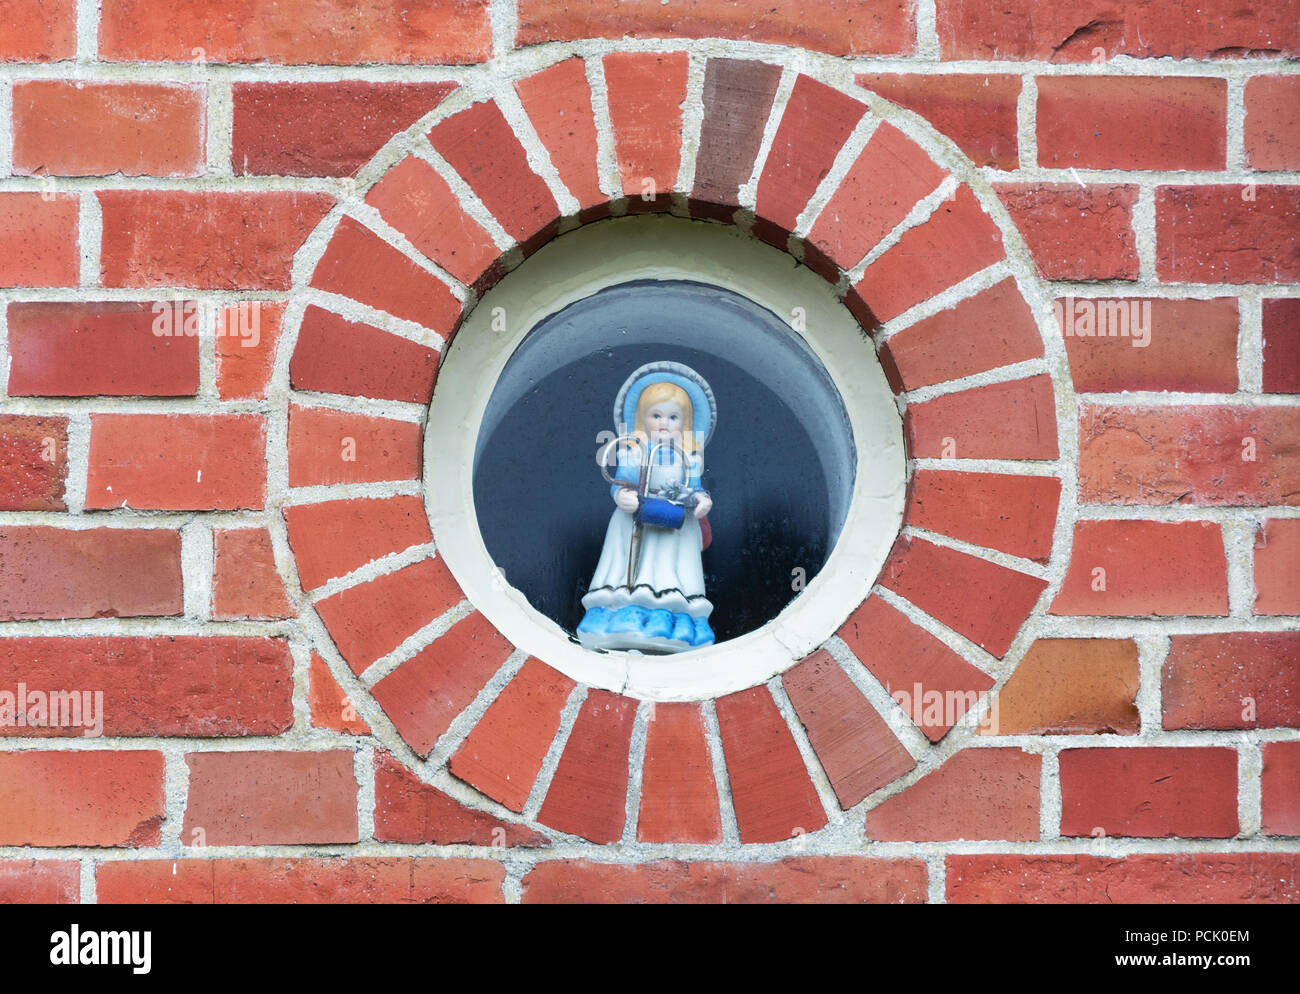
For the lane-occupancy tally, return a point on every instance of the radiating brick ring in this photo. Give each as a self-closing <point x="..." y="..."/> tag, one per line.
<point x="926" y="261"/>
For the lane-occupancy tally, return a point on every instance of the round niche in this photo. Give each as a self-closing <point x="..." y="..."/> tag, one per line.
<point x="804" y="464"/>
<point x="778" y="467"/>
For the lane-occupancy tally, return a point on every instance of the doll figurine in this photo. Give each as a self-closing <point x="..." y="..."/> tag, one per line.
<point x="647" y="593"/>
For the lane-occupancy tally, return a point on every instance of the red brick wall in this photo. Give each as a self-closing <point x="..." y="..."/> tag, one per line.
<point x="1108" y="557"/>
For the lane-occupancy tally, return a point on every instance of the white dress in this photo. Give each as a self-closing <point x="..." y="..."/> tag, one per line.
<point x="664" y="609"/>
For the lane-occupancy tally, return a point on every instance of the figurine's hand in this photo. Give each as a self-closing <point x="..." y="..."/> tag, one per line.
<point x="702" y="504"/>
<point x="626" y="500"/>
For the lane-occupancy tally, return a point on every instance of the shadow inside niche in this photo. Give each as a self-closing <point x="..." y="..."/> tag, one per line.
<point x="779" y="467"/>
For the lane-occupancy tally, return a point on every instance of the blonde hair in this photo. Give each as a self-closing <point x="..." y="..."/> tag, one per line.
<point x="664" y="392"/>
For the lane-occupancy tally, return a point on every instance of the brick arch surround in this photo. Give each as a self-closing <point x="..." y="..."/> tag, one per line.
<point x="870" y="198"/>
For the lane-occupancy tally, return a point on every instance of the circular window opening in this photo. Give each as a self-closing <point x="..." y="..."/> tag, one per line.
<point x="803" y="464"/>
<point x="778" y="466"/>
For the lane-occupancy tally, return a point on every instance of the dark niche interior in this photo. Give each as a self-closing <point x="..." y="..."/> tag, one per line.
<point x="779" y="466"/>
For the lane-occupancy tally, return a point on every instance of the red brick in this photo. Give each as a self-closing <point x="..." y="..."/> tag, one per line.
<point x="415" y="200"/>
<point x="853" y="743"/>
<point x="679" y="796"/>
<point x="40" y="881"/>
<point x="37" y="30"/>
<point x="1189" y="454"/>
<point x="199" y="686"/>
<point x="646" y="91"/>
<point x="558" y="103"/>
<point x="793" y="880"/>
<point x="296" y="32"/>
<point x="1282" y="345"/>
<point x="1280" y="789"/>
<point x="109" y="348"/>
<point x="976" y="110"/>
<point x="1164" y="568"/>
<point x="981" y="600"/>
<point x="839" y="27"/>
<point x="503" y="754"/>
<point x="425" y="694"/>
<point x="33" y="463"/>
<point x="409" y="810"/>
<point x="738" y="96"/>
<point x="91" y="573"/>
<point x="1232" y="680"/>
<point x="1164" y="878"/>
<point x="1149" y="793"/>
<point x="817" y="121"/>
<point x="1228" y="234"/>
<point x="81" y="798"/>
<point x="301" y="880"/>
<point x="1277" y="567"/>
<point x="1023" y="29"/>
<point x="863" y="210"/>
<point x="1012" y="514"/>
<point x="322" y="129"/>
<point x="1078" y="686"/>
<point x="246" y="353"/>
<point x="991" y="329"/>
<point x="330" y="707"/>
<point x="328" y="447"/>
<point x="334" y="538"/>
<point x="245" y="581"/>
<point x="481" y="146"/>
<point x="210" y="240"/>
<point x="1273" y="122"/>
<point x="588" y="795"/>
<point x="334" y="355"/>
<point x="914" y="666"/>
<point x="372" y="619"/>
<point x="136" y="129"/>
<point x="770" y="788"/>
<point x="1015" y="419"/>
<point x="1076" y="232"/>
<point x="361" y="265"/>
<point x="984" y="794"/>
<point x="958" y="240"/>
<point x="1132" y="122"/>
<point x="41" y="235"/>
<point x="177" y="461"/>
<point x="1150" y="343"/>
<point x="270" y="798"/>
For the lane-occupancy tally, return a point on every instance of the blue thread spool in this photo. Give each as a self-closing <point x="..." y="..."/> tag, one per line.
<point x="660" y="513"/>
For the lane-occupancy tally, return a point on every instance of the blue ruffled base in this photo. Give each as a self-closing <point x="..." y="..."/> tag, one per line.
<point x="646" y="623"/>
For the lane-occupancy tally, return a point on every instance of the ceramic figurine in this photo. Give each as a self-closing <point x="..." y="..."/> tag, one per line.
<point x="647" y="593"/>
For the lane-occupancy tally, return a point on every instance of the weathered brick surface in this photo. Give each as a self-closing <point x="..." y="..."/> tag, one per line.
<point x="503" y="754"/>
<point x="1134" y="568"/>
<point x="1232" y="680"/>
<point x="770" y="787"/>
<point x="1071" y="686"/>
<point x="977" y="794"/>
<point x="50" y="572"/>
<point x="1076" y="232"/>
<point x="188" y="685"/>
<point x="105" y="348"/>
<point x="1191" y="454"/>
<point x="270" y="798"/>
<point x="322" y="129"/>
<point x="33" y="463"/>
<point x="137" y="129"/>
<point x="1189" y="792"/>
<point x="1164" y="878"/>
<point x="794" y="880"/>
<point x="444" y="31"/>
<point x="314" y="262"/>
<point x="302" y="880"/>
